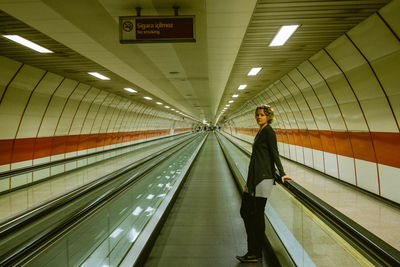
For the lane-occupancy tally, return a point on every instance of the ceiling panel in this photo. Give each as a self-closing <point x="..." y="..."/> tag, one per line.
<point x="321" y="22"/>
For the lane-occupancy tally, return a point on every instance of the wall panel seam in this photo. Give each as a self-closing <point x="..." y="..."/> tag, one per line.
<point x="11" y="80"/>
<point x="388" y="25"/>
<point x="340" y="110"/>
<point x="22" y="117"/>
<point x="77" y="109"/>
<point x="48" y="104"/>
<point x="378" y="80"/>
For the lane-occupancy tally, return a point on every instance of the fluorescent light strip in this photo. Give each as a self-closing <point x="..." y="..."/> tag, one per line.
<point x="27" y="43"/>
<point x="130" y="90"/>
<point x="116" y="233"/>
<point x="159" y="103"/>
<point x="242" y="86"/>
<point x="98" y="75"/>
<point x="254" y="71"/>
<point x="235" y="95"/>
<point x="283" y="35"/>
<point x="230" y="101"/>
<point x="148" y="98"/>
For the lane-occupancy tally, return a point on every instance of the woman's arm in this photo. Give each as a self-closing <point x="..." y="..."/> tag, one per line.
<point x="273" y="145"/>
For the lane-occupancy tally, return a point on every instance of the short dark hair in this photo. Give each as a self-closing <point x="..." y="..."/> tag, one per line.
<point x="268" y="111"/>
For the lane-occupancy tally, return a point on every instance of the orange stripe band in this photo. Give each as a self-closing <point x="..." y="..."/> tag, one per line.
<point x="16" y="150"/>
<point x="378" y="147"/>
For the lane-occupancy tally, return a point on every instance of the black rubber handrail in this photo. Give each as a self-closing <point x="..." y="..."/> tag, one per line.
<point x="354" y="231"/>
<point x="364" y="238"/>
<point x="36" y="167"/>
<point x="13" y="257"/>
<point x="16" y="223"/>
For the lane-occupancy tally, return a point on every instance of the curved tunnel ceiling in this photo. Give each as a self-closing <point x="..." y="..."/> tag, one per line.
<point x="196" y="78"/>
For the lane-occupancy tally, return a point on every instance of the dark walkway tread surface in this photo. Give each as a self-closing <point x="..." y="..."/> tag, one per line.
<point x="204" y="227"/>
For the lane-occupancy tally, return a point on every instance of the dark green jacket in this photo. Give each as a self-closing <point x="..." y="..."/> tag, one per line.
<point x="264" y="157"/>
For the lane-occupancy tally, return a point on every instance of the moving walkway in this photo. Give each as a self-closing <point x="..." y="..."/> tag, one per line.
<point x="115" y="220"/>
<point x="306" y="231"/>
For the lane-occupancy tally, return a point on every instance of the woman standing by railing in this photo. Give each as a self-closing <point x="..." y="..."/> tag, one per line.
<point x="260" y="180"/>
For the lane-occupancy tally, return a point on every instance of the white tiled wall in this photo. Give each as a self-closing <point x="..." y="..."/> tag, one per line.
<point x="37" y="104"/>
<point x="299" y="154"/>
<point x="346" y="169"/>
<point x="55" y="107"/>
<point x="318" y="157"/>
<point x="331" y="166"/>
<point x="367" y="175"/>
<point x="308" y="157"/>
<point x="389" y="182"/>
<point x="16" y="98"/>
<point x="352" y="85"/>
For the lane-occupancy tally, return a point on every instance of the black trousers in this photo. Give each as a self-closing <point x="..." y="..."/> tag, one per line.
<point x="252" y="212"/>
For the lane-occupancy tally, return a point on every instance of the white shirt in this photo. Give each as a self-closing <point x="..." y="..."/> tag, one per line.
<point x="264" y="188"/>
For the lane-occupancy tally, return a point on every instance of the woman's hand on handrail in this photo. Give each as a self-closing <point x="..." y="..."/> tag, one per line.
<point x="286" y="177"/>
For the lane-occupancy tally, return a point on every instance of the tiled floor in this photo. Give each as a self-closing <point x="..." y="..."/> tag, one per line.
<point x="204" y="227"/>
<point x="376" y="216"/>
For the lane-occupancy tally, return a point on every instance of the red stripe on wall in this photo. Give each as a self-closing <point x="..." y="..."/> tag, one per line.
<point x="5" y="150"/>
<point x="343" y="144"/>
<point x="387" y="147"/>
<point x="181" y="130"/>
<point x="297" y="137"/>
<point x="23" y="149"/>
<point x="305" y="137"/>
<point x="315" y="140"/>
<point x="57" y="145"/>
<point x="72" y="143"/>
<point x="43" y="148"/>
<point x="362" y="146"/>
<point x="328" y="143"/>
<point x="355" y="145"/>
<point x="33" y="148"/>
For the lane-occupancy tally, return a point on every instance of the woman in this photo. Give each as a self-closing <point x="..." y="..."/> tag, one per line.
<point x="261" y="177"/>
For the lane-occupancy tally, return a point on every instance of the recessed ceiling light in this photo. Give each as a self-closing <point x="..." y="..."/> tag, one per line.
<point x="230" y="101"/>
<point x="98" y="75"/>
<point x="254" y="71"/>
<point x="242" y="86"/>
<point x="130" y="90"/>
<point x="158" y="103"/>
<point x="283" y="35"/>
<point x="172" y="109"/>
<point x="235" y="95"/>
<point x="148" y="98"/>
<point x="27" y="43"/>
<point x="166" y="106"/>
<point x="227" y="105"/>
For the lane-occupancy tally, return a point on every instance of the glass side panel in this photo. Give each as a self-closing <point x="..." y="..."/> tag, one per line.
<point x="68" y="177"/>
<point x="308" y="240"/>
<point x="105" y="237"/>
<point x="240" y="159"/>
